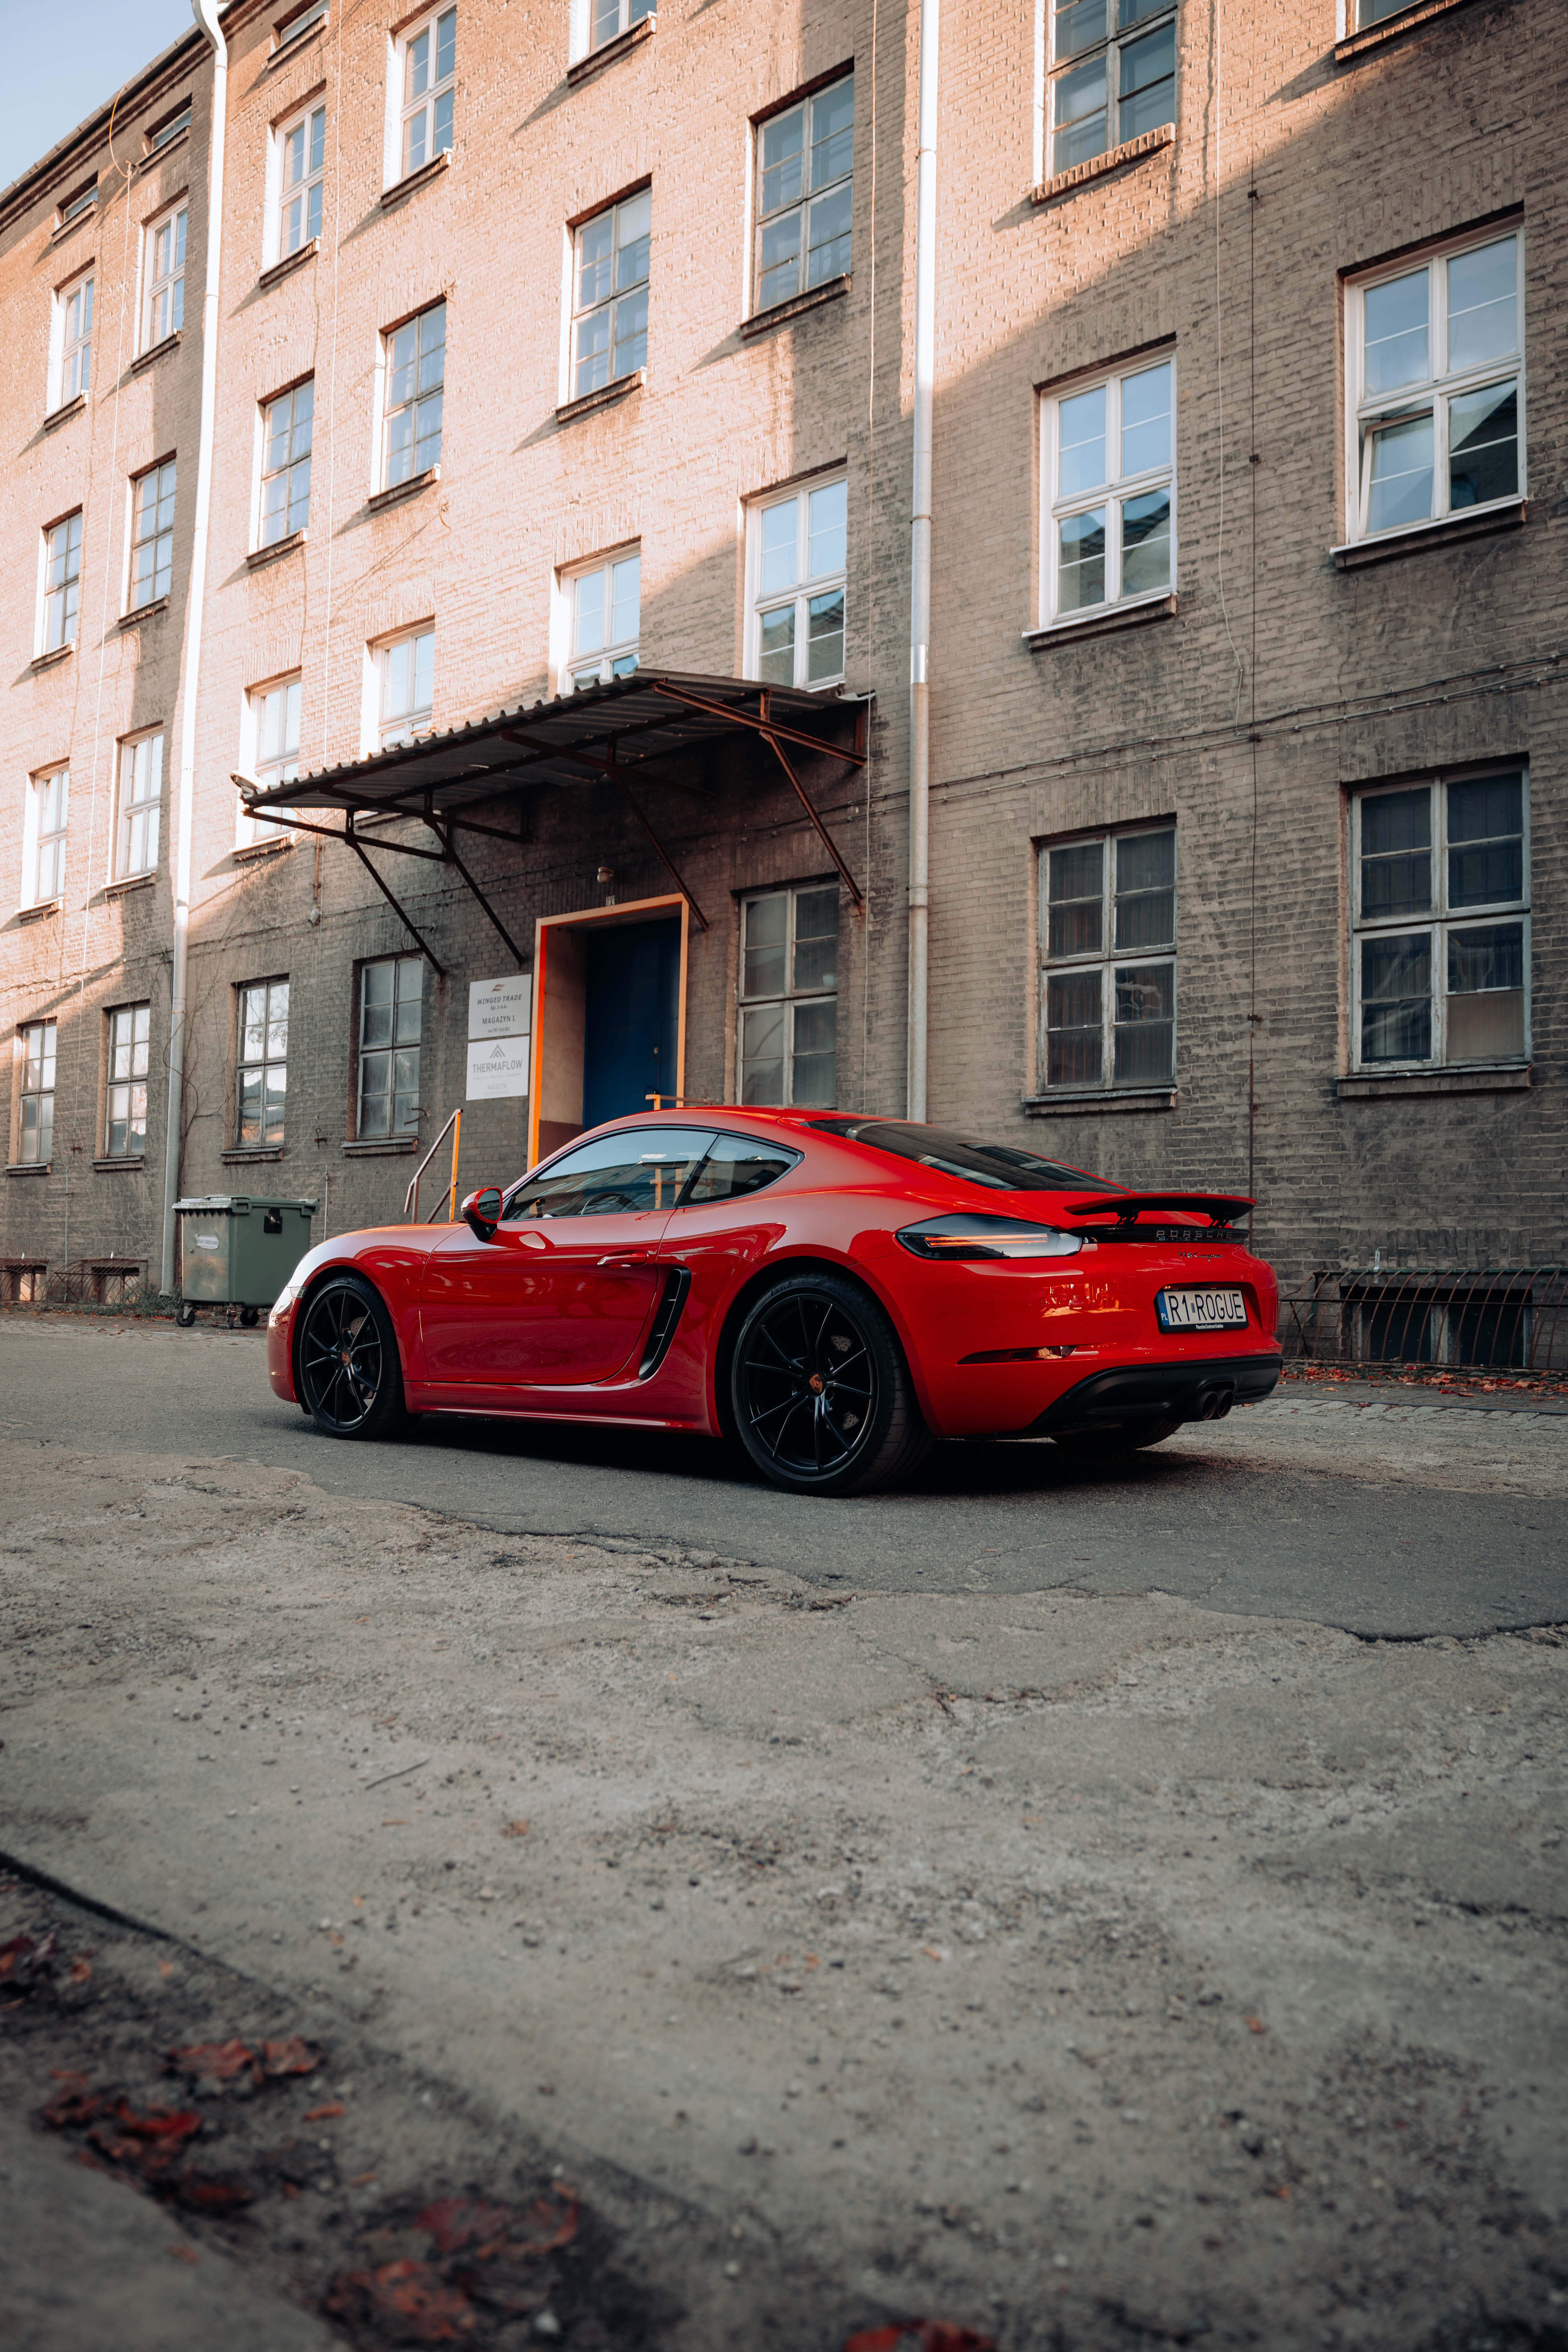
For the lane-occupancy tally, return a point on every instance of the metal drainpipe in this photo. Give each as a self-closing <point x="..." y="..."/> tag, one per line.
<point x="919" y="565"/>
<point x="205" y="15"/>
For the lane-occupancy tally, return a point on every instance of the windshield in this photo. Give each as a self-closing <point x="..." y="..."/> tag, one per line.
<point x="1000" y="1167"/>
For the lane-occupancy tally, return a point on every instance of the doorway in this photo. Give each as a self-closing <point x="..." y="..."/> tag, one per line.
<point x="610" y="1020"/>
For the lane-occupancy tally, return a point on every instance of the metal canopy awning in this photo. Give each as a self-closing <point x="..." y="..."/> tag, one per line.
<point x="626" y="731"/>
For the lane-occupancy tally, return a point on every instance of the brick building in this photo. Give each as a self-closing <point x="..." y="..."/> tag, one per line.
<point x="556" y="415"/>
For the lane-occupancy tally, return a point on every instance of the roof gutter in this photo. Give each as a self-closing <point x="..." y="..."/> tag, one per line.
<point x="206" y="13"/>
<point x="920" y="566"/>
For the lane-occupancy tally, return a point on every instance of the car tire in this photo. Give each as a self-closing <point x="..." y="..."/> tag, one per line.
<point x="820" y="1395"/>
<point x="185" y="1315"/>
<point x="1130" y="1438"/>
<point x="349" y="1378"/>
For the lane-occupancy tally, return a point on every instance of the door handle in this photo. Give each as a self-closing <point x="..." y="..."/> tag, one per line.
<point x="627" y="1257"/>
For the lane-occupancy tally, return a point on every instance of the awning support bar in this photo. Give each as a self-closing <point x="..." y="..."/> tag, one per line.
<point x="698" y="915"/>
<point x="495" y="919"/>
<point x="763" y="725"/>
<point x="425" y="948"/>
<point x="606" y="767"/>
<point x="827" y="841"/>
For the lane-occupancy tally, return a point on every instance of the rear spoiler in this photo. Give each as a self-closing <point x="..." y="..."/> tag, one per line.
<point x="1219" y="1208"/>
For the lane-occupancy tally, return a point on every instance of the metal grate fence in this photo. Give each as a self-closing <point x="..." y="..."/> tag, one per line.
<point x="1488" y="1319"/>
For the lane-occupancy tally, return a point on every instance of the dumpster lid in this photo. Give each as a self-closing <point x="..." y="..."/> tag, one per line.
<point x="217" y="1204"/>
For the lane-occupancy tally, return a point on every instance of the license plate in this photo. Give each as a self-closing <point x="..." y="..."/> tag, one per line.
<point x="1201" y="1311"/>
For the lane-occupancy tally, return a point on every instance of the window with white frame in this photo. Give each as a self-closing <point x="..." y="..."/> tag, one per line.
<point x="70" y="361"/>
<point x="796" y="560"/>
<point x="301" y="174"/>
<point x="286" y="431"/>
<point x="609" y="311"/>
<point x="789" y="999"/>
<point x="62" y="582"/>
<point x="1435" y="363"/>
<point x="1440" y="927"/>
<point x="152" y="534"/>
<point x="163" y="277"/>
<point x="261" y="1072"/>
<point x="390" y="993"/>
<point x="125" y="1120"/>
<point x="273" y="717"/>
<point x="406" y="686"/>
<point x="605" y="21"/>
<point x="429" y="63"/>
<point x="1110" y="488"/>
<point x="44" y="838"/>
<point x="141" y="807"/>
<point x="35" y="1106"/>
<point x="1108" y="962"/>
<point x="172" y="128"/>
<point x="415" y="368"/>
<point x="604" y="603"/>
<point x="1112" y="75"/>
<point x="804" y="194"/>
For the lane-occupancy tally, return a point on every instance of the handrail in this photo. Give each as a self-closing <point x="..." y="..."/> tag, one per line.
<point x="411" y="1198"/>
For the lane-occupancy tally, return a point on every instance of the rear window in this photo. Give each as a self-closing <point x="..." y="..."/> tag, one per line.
<point x="998" y="1166"/>
<point x="738" y="1165"/>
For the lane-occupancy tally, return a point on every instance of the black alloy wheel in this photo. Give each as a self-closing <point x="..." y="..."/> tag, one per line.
<point x="822" y="1398"/>
<point x="350" y="1379"/>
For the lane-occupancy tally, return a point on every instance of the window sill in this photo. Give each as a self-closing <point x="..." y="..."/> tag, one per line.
<point x="381" y="1144"/>
<point x="297" y="44"/>
<point x="606" y="397"/>
<point x="76" y="220"/>
<point x="1103" y="624"/>
<point x="47" y="661"/>
<point x="261" y="555"/>
<point x="36" y="914"/>
<point x="155" y="352"/>
<point x="1062" y="184"/>
<point x="143" y="612"/>
<point x="1423" y="535"/>
<point x="291" y="262"/>
<point x="68" y="408"/>
<point x="597" y="59"/>
<point x="243" y="1153"/>
<point x="132" y="882"/>
<point x="415" y="180"/>
<point x="29" y="1168"/>
<point x="1514" y="1078"/>
<point x="779" y="314"/>
<point x="248" y="851"/>
<point x="1372" y="37"/>
<point x="123" y="1159"/>
<point x="379" y="500"/>
<point x="1107" y="1098"/>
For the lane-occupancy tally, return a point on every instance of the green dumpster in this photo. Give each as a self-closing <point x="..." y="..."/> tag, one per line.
<point x="238" y="1251"/>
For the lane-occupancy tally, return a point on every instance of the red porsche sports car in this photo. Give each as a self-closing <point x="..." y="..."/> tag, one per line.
<point x="829" y="1293"/>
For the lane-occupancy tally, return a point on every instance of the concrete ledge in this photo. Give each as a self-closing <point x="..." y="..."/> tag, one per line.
<point x="242" y="1153"/>
<point x="606" y="397"/>
<point x="154" y="351"/>
<point x="415" y="180"/>
<point x="248" y="851"/>
<point x="261" y="555"/>
<point x="35" y="914"/>
<point x="1077" y="175"/>
<point x="132" y="882"/>
<point x="142" y="612"/>
<point x="122" y="1160"/>
<point x="1372" y="37"/>
<point x="779" y="314"/>
<point x="1365" y="1088"/>
<point x="1109" y="1098"/>
<point x="1103" y="625"/>
<point x="1446" y="533"/>
<point x="597" y="59"/>
<point x="379" y="1144"/>
<point x="29" y="1168"/>
<point x="58" y="235"/>
<point x="291" y="261"/>
<point x="67" y="408"/>
<point x="47" y="661"/>
<point x="379" y="501"/>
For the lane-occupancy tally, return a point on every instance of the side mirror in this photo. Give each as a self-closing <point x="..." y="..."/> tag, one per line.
<point x="481" y="1213"/>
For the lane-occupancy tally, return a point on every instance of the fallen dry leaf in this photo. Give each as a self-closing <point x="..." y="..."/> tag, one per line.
<point x="515" y="1829"/>
<point x="185" y="2254"/>
<point x="1255" y="2025"/>
<point x="334" y="2108"/>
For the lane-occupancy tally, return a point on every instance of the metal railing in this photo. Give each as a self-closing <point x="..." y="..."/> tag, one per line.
<point x="454" y="1128"/>
<point x="1482" y="1318"/>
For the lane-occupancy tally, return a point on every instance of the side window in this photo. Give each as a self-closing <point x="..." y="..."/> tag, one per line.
<point x="804" y="195"/>
<point x="1108" y="962"/>
<point x="261" y="1063"/>
<point x="141" y="807"/>
<point x="416" y="370"/>
<point x="62" y="583"/>
<point x="44" y="838"/>
<point x="151" y="535"/>
<point x="1109" y="486"/>
<point x="286" y="430"/>
<point x="406" y="688"/>
<point x="301" y="174"/>
<point x="70" y="360"/>
<point x="737" y="1165"/>
<point x="1113" y="75"/>
<point x="609" y="305"/>
<point x="163" y="278"/>
<point x="616" y="1175"/>
<point x="797" y="559"/>
<point x="602" y="620"/>
<point x="428" y="58"/>
<point x="125" y="1119"/>
<point x="36" y="1120"/>
<point x="789" y="998"/>
<point x="391" y="995"/>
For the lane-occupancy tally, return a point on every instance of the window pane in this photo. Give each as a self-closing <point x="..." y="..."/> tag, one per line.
<point x="1148" y="83"/>
<point x="1483" y="445"/>
<point x="631" y="334"/>
<point x="1145" y="421"/>
<point x="816" y="941"/>
<point x="1079" y="116"/>
<point x="588" y="628"/>
<point x="762" y="1054"/>
<point x="828" y="512"/>
<point x="1080" y="24"/>
<point x="1146" y="542"/>
<point x="1135" y="12"/>
<point x="829" y="239"/>
<point x="633" y="227"/>
<point x="1145" y="1025"/>
<point x="594" y="242"/>
<point x="1074" y="1055"/>
<point x="783" y="144"/>
<point x="432" y="347"/>
<point x="1395" y="854"/>
<point x="1482" y="312"/>
<point x="1396" y="998"/>
<point x="1074" y="893"/>
<point x="775" y="663"/>
<point x="628" y="599"/>
<point x="832" y="133"/>
<point x="767" y="925"/>
<point x="1396" y="333"/>
<point x="780" y="531"/>
<point x="1492" y="958"/>
<point x="1401" y="482"/>
<point x="1486" y="1028"/>
<point x="1081" y="442"/>
<point x="814" y="1080"/>
<point x="1146" y="891"/>
<point x="1486" y="993"/>
<point x="736" y="1167"/>
<point x="779" y="259"/>
<point x="1486" y="843"/>
<point x="1081" y="567"/>
<point x="825" y="638"/>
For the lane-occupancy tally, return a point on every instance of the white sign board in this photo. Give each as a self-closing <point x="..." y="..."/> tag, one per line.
<point x="501" y="1008"/>
<point x="498" y="1069"/>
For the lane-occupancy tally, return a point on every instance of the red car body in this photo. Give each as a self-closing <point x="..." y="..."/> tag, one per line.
<point x="565" y="1317"/>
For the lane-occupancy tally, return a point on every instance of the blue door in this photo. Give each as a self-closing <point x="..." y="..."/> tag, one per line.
<point x="632" y="1011"/>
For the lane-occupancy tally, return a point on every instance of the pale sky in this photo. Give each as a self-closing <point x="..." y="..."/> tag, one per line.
<point x="67" y="59"/>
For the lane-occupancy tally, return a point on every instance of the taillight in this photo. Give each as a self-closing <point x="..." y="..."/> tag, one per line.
<point x="968" y="1236"/>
